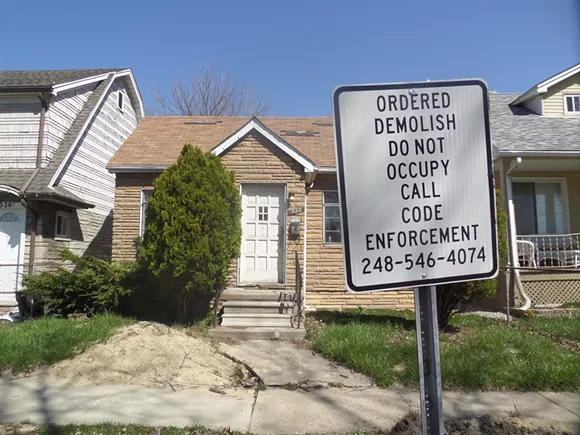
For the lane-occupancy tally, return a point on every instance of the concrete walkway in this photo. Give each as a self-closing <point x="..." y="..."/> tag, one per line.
<point x="272" y="411"/>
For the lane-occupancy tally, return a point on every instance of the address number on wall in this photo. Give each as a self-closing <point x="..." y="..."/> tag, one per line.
<point x="6" y="204"/>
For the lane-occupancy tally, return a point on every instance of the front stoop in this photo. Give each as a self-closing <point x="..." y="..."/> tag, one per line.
<point x="258" y="314"/>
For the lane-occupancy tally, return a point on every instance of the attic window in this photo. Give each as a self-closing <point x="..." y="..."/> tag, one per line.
<point x="298" y="133"/>
<point x="572" y="103"/>
<point x="202" y="122"/>
<point x="120" y="98"/>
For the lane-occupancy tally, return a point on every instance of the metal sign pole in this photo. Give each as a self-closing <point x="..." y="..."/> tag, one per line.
<point x="429" y="360"/>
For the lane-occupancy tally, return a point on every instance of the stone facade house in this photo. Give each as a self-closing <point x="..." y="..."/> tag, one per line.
<point x="58" y="130"/>
<point x="286" y="172"/>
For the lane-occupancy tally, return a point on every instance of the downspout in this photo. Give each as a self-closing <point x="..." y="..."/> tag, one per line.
<point x="305" y="242"/>
<point x="512" y="235"/>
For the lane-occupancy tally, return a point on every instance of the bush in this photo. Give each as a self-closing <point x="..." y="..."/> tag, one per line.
<point x="93" y="286"/>
<point x="450" y="296"/>
<point x="193" y="231"/>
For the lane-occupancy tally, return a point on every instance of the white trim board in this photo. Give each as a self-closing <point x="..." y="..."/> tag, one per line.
<point x="542" y="87"/>
<point x="255" y="125"/>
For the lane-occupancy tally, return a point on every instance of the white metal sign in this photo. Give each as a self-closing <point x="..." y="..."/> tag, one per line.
<point x="416" y="184"/>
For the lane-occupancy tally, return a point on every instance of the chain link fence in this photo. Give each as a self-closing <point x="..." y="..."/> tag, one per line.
<point x="11" y="281"/>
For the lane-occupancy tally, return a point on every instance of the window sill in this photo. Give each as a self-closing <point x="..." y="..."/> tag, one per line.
<point x="336" y="244"/>
<point x="62" y="239"/>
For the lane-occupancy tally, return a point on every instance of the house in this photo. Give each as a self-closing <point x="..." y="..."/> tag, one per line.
<point x="536" y="139"/>
<point x="58" y="130"/>
<point x="286" y="172"/>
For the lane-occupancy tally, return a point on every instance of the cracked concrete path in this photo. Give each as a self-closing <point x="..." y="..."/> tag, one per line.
<point x="273" y="411"/>
<point x="281" y="363"/>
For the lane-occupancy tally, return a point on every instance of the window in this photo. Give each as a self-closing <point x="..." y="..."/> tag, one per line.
<point x="263" y="214"/>
<point x="145" y="195"/>
<point x="331" y="218"/>
<point x="539" y="207"/>
<point x="62" y="228"/>
<point x="572" y="104"/>
<point x="120" y="98"/>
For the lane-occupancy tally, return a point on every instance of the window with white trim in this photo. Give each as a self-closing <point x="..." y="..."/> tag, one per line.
<point x="331" y="217"/>
<point x="145" y="195"/>
<point x="572" y="103"/>
<point x="62" y="225"/>
<point x="120" y="100"/>
<point x="539" y="207"/>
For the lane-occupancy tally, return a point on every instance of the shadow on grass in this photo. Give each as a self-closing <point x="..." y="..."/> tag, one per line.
<point x="403" y="319"/>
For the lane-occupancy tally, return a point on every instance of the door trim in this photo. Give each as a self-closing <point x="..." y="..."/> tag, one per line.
<point x="282" y="255"/>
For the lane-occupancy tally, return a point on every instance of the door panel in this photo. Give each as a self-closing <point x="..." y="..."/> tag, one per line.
<point x="263" y="236"/>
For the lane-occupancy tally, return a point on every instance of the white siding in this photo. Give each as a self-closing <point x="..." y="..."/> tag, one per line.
<point x="554" y="98"/>
<point x="86" y="176"/>
<point x="535" y="105"/>
<point x="19" y="122"/>
<point x="62" y="112"/>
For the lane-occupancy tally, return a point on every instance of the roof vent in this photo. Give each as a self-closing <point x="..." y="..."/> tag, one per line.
<point x="298" y="133"/>
<point x="202" y="122"/>
<point x="323" y="124"/>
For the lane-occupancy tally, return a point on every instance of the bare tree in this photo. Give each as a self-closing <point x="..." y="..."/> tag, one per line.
<point x="209" y="93"/>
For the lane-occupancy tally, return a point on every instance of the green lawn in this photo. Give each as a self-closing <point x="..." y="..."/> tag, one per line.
<point x="28" y="344"/>
<point x="485" y="354"/>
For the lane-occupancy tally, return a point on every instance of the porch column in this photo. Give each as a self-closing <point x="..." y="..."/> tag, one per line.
<point x="512" y="231"/>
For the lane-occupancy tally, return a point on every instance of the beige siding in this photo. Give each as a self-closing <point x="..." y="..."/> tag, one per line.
<point x="553" y="100"/>
<point x="19" y="123"/>
<point x="86" y="175"/>
<point x="62" y="112"/>
<point x="325" y="285"/>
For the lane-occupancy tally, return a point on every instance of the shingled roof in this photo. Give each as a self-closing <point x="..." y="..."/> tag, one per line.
<point x="46" y="79"/>
<point x="516" y="129"/>
<point x="158" y="140"/>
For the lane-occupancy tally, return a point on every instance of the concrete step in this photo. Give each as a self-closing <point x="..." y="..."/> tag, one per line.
<point x="249" y="333"/>
<point x="257" y="320"/>
<point x="258" y="307"/>
<point x="253" y="294"/>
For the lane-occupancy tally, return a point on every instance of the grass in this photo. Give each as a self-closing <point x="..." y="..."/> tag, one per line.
<point x="26" y="345"/>
<point x="485" y="355"/>
<point x="115" y="429"/>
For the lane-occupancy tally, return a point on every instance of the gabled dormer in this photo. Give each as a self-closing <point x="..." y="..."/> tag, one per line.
<point x="557" y="96"/>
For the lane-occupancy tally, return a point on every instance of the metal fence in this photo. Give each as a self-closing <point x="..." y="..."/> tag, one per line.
<point x="549" y="251"/>
<point x="11" y="280"/>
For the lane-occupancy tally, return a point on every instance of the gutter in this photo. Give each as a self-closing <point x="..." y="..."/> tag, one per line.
<point x="512" y="235"/>
<point x="513" y="154"/>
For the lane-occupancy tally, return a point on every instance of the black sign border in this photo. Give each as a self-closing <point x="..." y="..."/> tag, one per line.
<point x="344" y="217"/>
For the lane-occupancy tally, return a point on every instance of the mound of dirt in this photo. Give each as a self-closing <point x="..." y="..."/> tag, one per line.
<point x="485" y="425"/>
<point x="154" y="355"/>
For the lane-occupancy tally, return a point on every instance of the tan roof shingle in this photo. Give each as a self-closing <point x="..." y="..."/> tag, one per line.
<point x="158" y="140"/>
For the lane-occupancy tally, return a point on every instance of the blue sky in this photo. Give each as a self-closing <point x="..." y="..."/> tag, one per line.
<point x="298" y="51"/>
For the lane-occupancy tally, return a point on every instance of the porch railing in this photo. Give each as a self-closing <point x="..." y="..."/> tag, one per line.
<point x="549" y="251"/>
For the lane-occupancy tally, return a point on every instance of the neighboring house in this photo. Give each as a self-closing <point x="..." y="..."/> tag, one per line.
<point x="536" y="138"/>
<point x="58" y="130"/>
<point x="286" y="171"/>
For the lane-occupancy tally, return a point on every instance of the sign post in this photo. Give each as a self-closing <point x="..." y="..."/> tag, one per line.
<point x="415" y="179"/>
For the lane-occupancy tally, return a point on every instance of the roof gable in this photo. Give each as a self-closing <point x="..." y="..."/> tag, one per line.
<point x="255" y="125"/>
<point x="543" y="86"/>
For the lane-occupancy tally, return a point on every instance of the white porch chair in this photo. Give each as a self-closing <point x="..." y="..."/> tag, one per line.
<point x="527" y="253"/>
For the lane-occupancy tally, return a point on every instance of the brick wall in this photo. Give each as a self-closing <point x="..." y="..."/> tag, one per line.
<point x="325" y="286"/>
<point x="127" y="212"/>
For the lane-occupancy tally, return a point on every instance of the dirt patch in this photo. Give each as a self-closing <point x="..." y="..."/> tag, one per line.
<point x="153" y="355"/>
<point x="485" y="425"/>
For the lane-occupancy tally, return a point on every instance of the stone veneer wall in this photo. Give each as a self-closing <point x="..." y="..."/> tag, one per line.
<point x="325" y="271"/>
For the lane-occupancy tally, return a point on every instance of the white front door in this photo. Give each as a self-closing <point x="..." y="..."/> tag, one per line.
<point x="263" y="214"/>
<point x="12" y="227"/>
